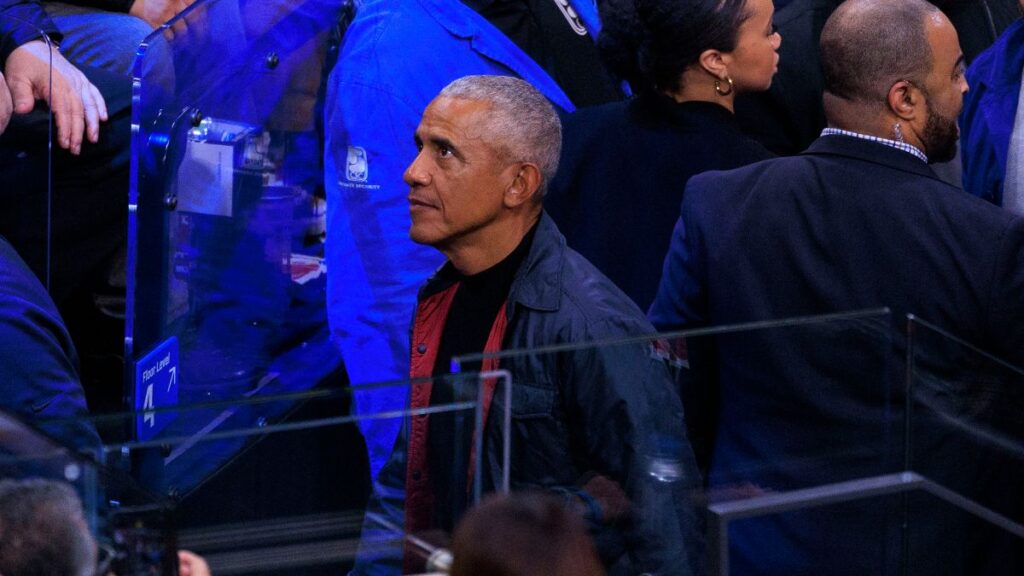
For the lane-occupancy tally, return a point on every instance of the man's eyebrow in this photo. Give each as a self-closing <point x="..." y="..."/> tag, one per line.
<point x="960" y="62"/>
<point x="443" y="143"/>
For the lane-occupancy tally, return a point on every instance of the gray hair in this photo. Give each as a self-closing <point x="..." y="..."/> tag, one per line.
<point x="524" y="125"/>
<point x="869" y="45"/>
<point x="43" y="529"/>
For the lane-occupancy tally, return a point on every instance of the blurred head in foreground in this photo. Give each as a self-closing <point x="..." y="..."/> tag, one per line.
<point x="525" y="534"/>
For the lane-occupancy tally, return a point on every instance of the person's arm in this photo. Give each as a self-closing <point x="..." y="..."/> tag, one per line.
<point x="632" y="423"/>
<point x="26" y="63"/>
<point x="1007" y="310"/>
<point x="682" y="302"/>
<point x="77" y="105"/>
<point x="38" y="364"/>
<point x="22" y="21"/>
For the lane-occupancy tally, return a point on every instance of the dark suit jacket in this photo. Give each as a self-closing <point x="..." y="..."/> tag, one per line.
<point x="847" y="225"/>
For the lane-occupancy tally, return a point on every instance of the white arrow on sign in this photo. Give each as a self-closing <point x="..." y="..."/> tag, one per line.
<point x="174" y="376"/>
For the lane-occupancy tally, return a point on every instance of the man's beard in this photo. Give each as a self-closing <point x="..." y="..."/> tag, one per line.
<point x="940" y="137"/>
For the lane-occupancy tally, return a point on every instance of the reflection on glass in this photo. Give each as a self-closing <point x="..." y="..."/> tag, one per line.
<point x="966" y="435"/>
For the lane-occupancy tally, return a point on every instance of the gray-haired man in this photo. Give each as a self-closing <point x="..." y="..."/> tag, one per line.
<point x="583" y="422"/>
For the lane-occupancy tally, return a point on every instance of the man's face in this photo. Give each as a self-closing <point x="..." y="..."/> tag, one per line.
<point x="944" y="91"/>
<point x="457" y="181"/>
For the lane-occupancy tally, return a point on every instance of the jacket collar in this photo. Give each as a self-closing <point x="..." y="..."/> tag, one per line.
<point x="538" y="284"/>
<point x="659" y="109"/>
<point x="838" y="145"/>
<point x="462" y="22"/>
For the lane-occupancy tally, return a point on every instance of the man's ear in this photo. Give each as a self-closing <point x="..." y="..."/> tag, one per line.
<point x="525" y="185"/>
<point x="715" y="63"/>
<point x="904" y="99"/>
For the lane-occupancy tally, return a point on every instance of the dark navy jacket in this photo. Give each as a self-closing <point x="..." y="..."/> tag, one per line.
<point x="603" y="409"/>
<point x="989" y="112"/>
<point x="847" y="225"/>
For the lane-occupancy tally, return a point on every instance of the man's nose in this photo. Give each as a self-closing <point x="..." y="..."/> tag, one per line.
<point x="416" y="174"/>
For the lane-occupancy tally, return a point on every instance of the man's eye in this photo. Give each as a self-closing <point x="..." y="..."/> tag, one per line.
<point x="444" y="152"/>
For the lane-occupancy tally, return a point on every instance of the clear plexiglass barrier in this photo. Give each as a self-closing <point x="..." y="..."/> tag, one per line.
<point x="226" y="281"/>
<point x="798" y="454"/>
<point x="855" y="443"/>
<point x="296" y="496"/>
<point x="966" y="437"/>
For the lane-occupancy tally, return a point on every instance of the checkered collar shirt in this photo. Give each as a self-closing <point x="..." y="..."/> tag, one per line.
<point x="908" y="148"/>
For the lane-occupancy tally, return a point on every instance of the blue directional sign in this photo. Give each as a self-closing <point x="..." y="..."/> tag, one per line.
<point x="156" y="386"/>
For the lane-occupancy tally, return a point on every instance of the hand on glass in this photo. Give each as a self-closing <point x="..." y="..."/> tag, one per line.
<point x="77" y="105"/>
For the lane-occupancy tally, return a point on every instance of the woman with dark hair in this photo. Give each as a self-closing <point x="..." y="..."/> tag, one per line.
<point x="617" y="194"/>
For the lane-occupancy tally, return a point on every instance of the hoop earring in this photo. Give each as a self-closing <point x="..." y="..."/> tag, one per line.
<point x="897" y="132"/>
<point x="718" y="87"/>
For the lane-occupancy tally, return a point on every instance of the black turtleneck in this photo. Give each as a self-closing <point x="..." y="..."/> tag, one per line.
<point x="476" y="305"/>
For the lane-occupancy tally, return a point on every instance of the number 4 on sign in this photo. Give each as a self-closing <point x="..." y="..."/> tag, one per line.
<point x="149" y="417"/>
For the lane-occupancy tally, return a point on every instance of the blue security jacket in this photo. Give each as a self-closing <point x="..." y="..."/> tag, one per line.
<point x="989" y="111"/>
<point x="396" y="57"/>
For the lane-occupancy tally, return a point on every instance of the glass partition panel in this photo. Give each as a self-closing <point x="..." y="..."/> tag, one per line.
<point x="225" y="266"/>
<point x="931" y="530"/>
<point x="770" y="408"/>
<point x="967" y="436"/>
<point x="280" y="484"/>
